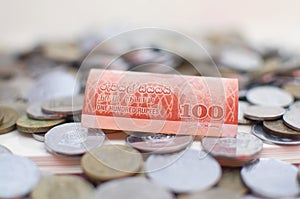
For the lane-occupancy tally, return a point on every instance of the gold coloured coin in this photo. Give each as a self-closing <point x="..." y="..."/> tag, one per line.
<point x="279" y="129"/>
<point x="9" y="120"/>
<point x="110" y="162"/>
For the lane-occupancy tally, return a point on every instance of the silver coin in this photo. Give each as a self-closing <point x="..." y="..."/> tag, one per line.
<point x="269" y="96"/>
<point x="241" y="109"/>
<point x="133" y="188"/>
<point x="159" y="143"/>
<point x="291" y="119"/>
<point x="39" y="136"/>
<point x="263" y="113"/>
<point x="35" y="112"/>
<point x="271" y="178"/>
<point x="4" y="150"/>
<point x="18" y="176"/>
<point x="186" y="171"/>
<point x="258" y="131"/>
<point x="73" y="139"/>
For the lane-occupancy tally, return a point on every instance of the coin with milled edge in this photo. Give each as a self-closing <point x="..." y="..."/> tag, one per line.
<point x="62" y="187"/>
<point x="215" y="193"/>
<point x="35" y="112"/>
<point x="18" y="176"/>
<point x="4" y="150"/>
<point x="269" y="96"/>
<point x="182" y="172"/>
<point x="73" y="139"/>
<point x="9" y="121"/>
<point x="291" y="119"/>
<point x="279" y="129"/>
<point x="271" y="178"/>
<point x="158" y="143"/>
<point x="133" y="188"/>
<point x="242" y="108"/>
<point x="263" y="112"/>
<point x="293" y="89"/>
<point x="258" y="131"/>
<point x="110" y="162"/>
<point x="39" y="136"/>
<point x="27" y="125"/>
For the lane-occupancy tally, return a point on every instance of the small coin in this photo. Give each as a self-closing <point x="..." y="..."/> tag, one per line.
<point x="269" y="96"/>
<point x="4" y="150"/>
<point x="27" y="125"/>
<point x="62" y="187"/>
<point x="9" y="121"/>
<point x="242" y="108"/>
<point x="293" y="89"/>
<point x="233" y="151"/>
<point x="263" y="113"/>
<point x="215" y="193"/>
<point x="158" y="143"/>
<point x="39" y="136"/>
<point x="291" y="119"/>
<point x="73" y="139"/>
<point x="258" y="131"/>
<point x="35" y="112"/>
<point x="271" y="178"/>
<point x="65" y="106"/>
<point x="182" y="172"/>
<point x="279" y="129"/>
<point x="133" y="188"/>
<point x="18" y="176"/>
<point x="110" y="162"/>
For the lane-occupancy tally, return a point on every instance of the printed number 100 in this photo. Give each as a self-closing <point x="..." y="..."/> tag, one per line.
<point x="200" y="111"/>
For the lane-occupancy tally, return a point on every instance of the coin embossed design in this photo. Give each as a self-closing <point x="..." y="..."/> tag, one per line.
<point x="291" y="119"/>
<point x="263" y="112"/>
<point x="279" y="129"/>
<point x="35" y="112"/>
<point x="9" y="120"/>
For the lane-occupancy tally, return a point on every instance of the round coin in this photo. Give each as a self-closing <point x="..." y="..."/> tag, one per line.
<point x="39" y="136"/>
<point x="291" y="119"/>
<point x="73" y="139"/>
<point x="62" y="187"/>
<point x="182" y="172"/>
<point x="293" y="89"/>
<point x="27" y="125"/>
<point x="158" y="143"/>
<point x="215" y="193"/>
<point x="263" y="112"/>
<point x="9" y="121"/>
<point x="271" y="178"/>
<point x="35" y="112"/>
<point x="279" y="129"/>
<point x="133" y="188"/>
<point x="269" y="96"/>
<point x="4" y="150"/>
<point x="18" y="176"/>
<point x="110" y="162"/>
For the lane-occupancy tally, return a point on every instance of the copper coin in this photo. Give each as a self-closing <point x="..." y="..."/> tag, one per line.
<point x="263" y="112"/>
<point x="291" y="118"/>
<point x="241" y="110"/>
<point x="9" y="121"/>
<point x="293" y="89"/>
<point x="4" y="150"/>
<point x="35" y="112"/>
<point x="279" y="129"/>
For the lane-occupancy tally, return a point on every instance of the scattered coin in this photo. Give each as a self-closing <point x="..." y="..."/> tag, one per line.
<point x="18" y="176"/>
<point x="35" y="112"/>
<point x="271" y="178"/>
<point x="263" y="112"/>
<point x="186" y="171"/>
<point x="233" y="151"/>
<point x="269" y="96"/>
<point x="62" y="187"/>
<point x="215" y="193"/>
<point x="291" y="118"/>
<point x="279" y="129"/>
<point x="73" y="139"/>
<point x="27" y="125"/>
<point x="158" y="143"/>
<point x="4" y="150"/>
<point x="133" y="188"/>
<point x="110" y="162"/>
<point x="9" y="121"/>
<point x="39" y="136"/>
<point x="242" y="108"/>
<point x="293" y="89"/>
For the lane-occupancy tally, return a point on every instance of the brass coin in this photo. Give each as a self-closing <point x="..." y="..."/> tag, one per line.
<point x="27" y="125"/>
<point x="263" y="112"/>
<point x="110" y="162"/>
<point x="9" y="121"/>
<point x="293" y="89"/>
<point x="62" y="187"/>
<point x="279" y="129"/>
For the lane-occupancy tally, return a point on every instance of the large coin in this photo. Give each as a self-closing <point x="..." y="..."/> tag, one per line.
<point x="271" y="178"/>
<point x="62" y="187"/>
<point x="233" y="151"/>
<point x="182" y="172"/>
<point x="279" y="129"/>
<point x="73" y="139"/>
<point x="293" y="89"/>
<point x="35" y="112"/>
<point x="9" y="121"/>
<point x="263" y="112"/>
<point x="4" y="150"/>
<point x="158" y="143"/>
<point x="27" y="125"/>
<point x="291" y="118"/>
<point x="133" y="188"/>
<point x="110" y="162"/>
<point x="18" y="176"/>
<point x="65" y="106"/>
<point x="269" y="96"/>
<point x="215" y="193"/>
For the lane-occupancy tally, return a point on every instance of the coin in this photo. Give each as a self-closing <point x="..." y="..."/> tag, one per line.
<point x="269" y="96"/>
<point x="62" y="187"/>
<point x="293" y="89"/>
<point x="4" y="150"/>
<point x="27" y="125"/>
<point x="242" y="108"/>
<point x="263" y="112"/>
<point x="39" y="136"/>
<point x="73" y="139"/>
<point x="158" y="143"/>
<point x="9" y="121"/>
<point x="215" y="193"/>
<point x="18" y="176"/>
<point x="258" y="131"/>
<point x="233" y="151"/>
<point x="271" y="178"/>
<point x="291" y="119"/>
<point x="35" y="112"/>
<point x="133" y="188"/>
<point x="1" y="117"/>
<point x="110" y="162"/>
<point x="182" y="172"/>
<point x="279" y="129"/>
